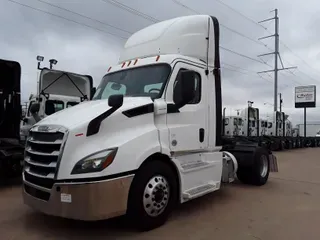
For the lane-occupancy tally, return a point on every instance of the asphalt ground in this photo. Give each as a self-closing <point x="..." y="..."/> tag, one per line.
<point x="286" y="208"/>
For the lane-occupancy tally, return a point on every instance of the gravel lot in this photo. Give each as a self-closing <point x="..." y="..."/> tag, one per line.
<point x="287" y="207"/>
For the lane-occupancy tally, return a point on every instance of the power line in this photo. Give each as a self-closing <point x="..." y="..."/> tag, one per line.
<point x="67" y="19"/>
<point x="248" y="18"/>
<point x="234" y="70"/>
<point x="299" y="57"/>
<point x="230" y="65"/>
<point x="131" y="10"/>
<point x="84" y="16"/>
<point x="241" y="55"/>
<point x="228" y="28"/>
<point x="241" y="14"/>
<point x="281" y="42"/>
<point x="155" y="20"/>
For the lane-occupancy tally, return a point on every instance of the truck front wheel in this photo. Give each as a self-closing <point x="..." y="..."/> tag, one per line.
<point x="258" y="173"/>
<point x="153" y="195"/>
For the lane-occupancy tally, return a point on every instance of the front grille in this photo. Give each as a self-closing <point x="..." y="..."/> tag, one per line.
<point x="37" y="193"/>
<point x="42" y="182"/>
<point x="42" y="154"/>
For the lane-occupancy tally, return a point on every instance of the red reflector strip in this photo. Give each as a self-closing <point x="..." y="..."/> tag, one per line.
<point x="109" y="69"/>
<point x="79" y="134"/>
<point x="157" y="58"/>
<point x="129" y="63"/>
<point x="123" y="64"/>
<point x="135" y="62"/>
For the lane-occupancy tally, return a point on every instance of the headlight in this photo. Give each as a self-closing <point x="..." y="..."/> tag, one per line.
<point x="95" y="162"/>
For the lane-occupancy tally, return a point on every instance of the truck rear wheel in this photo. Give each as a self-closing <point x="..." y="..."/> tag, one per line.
<point x="153" y="195"/>
<point x="258" y="173"/>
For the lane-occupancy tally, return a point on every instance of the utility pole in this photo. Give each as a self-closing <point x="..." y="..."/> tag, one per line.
<point x="276" y="54"/>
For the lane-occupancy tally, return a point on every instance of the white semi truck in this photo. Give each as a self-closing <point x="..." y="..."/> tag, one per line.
<point x="58" y="90"/>
<point x="150" y="138"/>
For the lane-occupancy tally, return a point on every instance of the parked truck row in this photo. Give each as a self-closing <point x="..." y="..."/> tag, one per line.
<point x="276" y="133"/>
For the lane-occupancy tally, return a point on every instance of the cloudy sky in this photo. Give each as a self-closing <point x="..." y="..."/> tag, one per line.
<point x="87" y="37"/>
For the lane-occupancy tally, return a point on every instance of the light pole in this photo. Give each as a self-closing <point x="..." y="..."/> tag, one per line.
<point x="40" y="59"/>
<point x="250" y="103"/>
<point x="53" y="62"/>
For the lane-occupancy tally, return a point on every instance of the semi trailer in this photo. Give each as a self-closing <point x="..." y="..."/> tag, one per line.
<point x="11" y="151"/>
<point x="151" y="137"/>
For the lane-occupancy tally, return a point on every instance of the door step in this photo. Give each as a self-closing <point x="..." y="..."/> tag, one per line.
<point x="194" y="166"/>
<point x="199" y="191"/>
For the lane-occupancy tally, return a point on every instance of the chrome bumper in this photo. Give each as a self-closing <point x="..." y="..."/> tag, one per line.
<point x="87" y="201"/>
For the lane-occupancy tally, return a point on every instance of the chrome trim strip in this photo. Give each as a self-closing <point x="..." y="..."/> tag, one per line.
<point x="48" y="176"/>
<point x="36" y="186"/>
<point x="31" y="162"/>
<point x="42" y="142"/>
<point x="54" y="153"/>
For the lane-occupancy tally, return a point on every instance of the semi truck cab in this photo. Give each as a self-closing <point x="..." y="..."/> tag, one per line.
<point x="58" y="90"/>
<point x="251" y="121"/>
<point x="233" y="126"/>
<point x="150" y="138"/>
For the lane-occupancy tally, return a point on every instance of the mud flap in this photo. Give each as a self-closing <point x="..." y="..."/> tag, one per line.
<point x="273" y="163"/>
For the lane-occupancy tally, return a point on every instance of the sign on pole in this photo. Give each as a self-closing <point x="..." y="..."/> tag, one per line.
<point x="305" y="96"/>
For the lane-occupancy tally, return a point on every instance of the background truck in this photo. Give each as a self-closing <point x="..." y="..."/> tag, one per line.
<point x="57" y="90"/>
<point x="11" y="152"/>
<point x="150" y="138"/>
<point x="274" y="133"/>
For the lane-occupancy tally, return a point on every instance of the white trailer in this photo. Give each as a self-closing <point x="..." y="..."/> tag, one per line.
<point x="151" y="137"/>
<point x="312" y="129"/>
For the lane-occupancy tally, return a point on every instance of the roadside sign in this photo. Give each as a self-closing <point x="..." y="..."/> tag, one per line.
<point x="305" y="96"/>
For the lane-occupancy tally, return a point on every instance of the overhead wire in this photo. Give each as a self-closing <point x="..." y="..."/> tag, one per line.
<point x="84" y="16"/>
<point x="224" y="26"/>
<point x="135" y="12"/>
<point x="131" y="10"/>
<point x="241" y="55"/>
<point x="251" y="20"/>
<point x="233" y="9"/>
<point x="67" y="19"/>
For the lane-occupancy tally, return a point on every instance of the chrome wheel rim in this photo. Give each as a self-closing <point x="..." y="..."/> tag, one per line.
<point x="264" y="166"/>
<point x="156" y="196"/>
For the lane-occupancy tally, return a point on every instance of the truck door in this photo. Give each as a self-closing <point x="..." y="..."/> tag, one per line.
<point x="188" y="128"/>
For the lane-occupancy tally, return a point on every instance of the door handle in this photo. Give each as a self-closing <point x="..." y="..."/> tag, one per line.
<point x="201" y="135"/>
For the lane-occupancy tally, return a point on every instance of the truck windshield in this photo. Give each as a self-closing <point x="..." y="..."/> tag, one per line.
<point x="147" y="81"/>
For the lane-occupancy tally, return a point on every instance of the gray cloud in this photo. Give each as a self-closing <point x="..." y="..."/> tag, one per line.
<point x="27" y="33"/>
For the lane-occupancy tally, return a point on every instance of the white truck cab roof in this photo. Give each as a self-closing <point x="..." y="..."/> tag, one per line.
<point x="188" y="36"/>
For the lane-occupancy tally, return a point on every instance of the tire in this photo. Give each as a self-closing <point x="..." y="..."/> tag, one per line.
<point x="153" y="195"/>
<point x="258" y="173"/>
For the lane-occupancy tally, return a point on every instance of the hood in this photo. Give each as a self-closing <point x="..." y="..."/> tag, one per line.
<point x="65" y="83"/>
<point x="86" y="111"/>
<point x="10" y="106"/>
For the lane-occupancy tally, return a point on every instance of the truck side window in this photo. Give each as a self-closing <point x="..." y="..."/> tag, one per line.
<point x="226" y="121"/>
<point x="53" y="106"/>
<point x="197" y="87"/>
<point x="71" y="104"/>
<point x="235" y="121"/>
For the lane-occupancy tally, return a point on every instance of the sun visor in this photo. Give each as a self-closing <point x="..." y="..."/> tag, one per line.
<point x="65" y="83"/>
